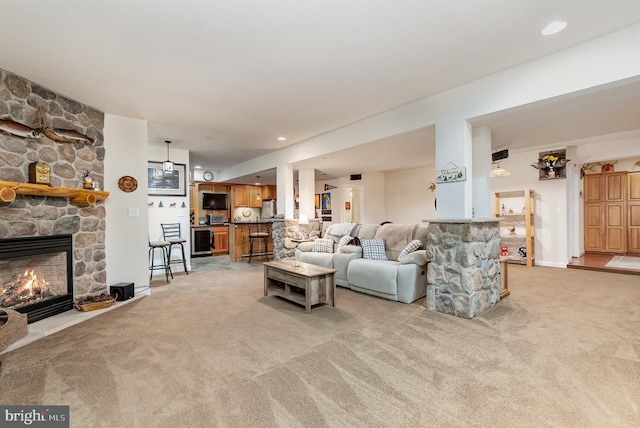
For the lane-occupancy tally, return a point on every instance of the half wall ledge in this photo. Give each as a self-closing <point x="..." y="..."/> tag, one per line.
<point x="463" y="276"/>
<point x="9" y="190"/>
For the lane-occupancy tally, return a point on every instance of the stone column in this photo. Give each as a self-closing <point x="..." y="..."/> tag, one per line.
<point x="463" y="276"/>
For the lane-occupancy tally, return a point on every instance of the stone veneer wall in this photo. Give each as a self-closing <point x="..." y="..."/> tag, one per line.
<point x="283" y="231"/>
<point x="43" y="216"/>
<point x="463" y="275"/>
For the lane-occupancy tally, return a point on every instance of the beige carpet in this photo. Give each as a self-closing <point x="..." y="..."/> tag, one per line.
<point x="626" y="262"/>
<point x="209" y="350"/>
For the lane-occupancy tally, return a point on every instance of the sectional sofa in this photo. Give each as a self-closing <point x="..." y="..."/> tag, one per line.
<point x="390" y="262"/>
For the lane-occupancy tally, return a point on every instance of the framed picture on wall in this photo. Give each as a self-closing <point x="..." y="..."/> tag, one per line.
<point x="317" y="201"/>
<point x="167" y="183"/>
<point x="326" y="201"/>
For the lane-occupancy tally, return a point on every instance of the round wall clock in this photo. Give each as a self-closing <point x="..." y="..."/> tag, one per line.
<point x="207" y="175"/>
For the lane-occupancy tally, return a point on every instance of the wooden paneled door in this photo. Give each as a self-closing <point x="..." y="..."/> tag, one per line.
<point x="605" y="212"/>
<point x="615" y="230"/>
<point x="593" y="189"/>
<point x="633" y="212"/>
<point x="593" y="226"/>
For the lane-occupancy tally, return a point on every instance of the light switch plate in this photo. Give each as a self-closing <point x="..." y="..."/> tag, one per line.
<point x="134" y="212"/>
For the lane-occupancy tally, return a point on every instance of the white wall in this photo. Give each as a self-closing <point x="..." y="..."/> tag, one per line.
<point x="550" y="205"/>
<point x="125" y="142"/>
<point x="408" y="198"/>
<point x="167" y="214"/>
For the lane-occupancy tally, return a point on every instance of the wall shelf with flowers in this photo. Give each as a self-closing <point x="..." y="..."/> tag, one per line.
<point x="552" y="165"/>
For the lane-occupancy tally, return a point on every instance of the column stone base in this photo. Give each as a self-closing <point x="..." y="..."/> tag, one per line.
<point x="463" y="276"/>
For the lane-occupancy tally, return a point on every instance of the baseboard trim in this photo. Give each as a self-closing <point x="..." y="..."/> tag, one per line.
<point x="551" y="264"/>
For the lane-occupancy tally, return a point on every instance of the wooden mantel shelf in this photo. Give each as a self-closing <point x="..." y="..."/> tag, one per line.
<point x="9" y="190"/>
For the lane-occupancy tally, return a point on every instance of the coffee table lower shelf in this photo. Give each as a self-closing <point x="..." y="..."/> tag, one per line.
<point x="305" y="285"/>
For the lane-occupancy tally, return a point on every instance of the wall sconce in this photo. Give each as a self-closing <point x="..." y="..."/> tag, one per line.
<point x="167" y="166"/>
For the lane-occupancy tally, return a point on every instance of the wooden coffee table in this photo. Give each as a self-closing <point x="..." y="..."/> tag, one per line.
<point x="306" y="285"/>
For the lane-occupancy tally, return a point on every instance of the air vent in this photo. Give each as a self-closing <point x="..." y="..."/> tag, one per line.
<point x="355" y="177"/>
<point x="502" y="154"/>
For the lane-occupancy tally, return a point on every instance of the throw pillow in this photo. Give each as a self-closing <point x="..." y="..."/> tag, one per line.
<point x="417" y="258"/>
<point x="345" y="240"/>
<point x="323" y="246"/>
<point x="412" y="246"/>
<point x="373" y="249"/>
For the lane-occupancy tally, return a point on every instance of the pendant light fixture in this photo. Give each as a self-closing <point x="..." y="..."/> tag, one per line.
<point x="499" y="171"/>
<point x="257" y="183"/>
<point x="167" y="166"/>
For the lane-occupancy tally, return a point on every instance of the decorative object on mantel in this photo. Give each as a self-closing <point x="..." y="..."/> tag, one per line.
<point x="451" y="175"/>
<point x="127" y="184"/>
<point x="39" y="173"/>
<point x="87" y="181"/>
<point x="329" y="187"/>
<point x="551" y="165"/>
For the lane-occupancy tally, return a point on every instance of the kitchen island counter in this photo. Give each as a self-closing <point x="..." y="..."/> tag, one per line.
<point x="239" y="239"/>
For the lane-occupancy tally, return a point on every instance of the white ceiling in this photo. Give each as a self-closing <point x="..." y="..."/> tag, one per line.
<point x="224" y="79"/>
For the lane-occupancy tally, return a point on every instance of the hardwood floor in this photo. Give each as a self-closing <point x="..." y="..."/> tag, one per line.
<point x="598" y="262"/>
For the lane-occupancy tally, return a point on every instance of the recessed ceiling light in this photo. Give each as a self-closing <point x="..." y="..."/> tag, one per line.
<point x="282" y="138"/>
<point x="197" y="166"/>
<point x="553" y="28"/>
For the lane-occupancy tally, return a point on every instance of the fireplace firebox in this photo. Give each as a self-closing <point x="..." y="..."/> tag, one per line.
<point x="36" y="275"/>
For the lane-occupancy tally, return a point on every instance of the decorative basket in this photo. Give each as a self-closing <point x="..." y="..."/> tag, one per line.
<point x="92" y="306"/>
<point x="13" y="327"/>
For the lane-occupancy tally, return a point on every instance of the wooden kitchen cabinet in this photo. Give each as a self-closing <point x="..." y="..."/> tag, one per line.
<point x="255" y="196"/>
<point x="269" y="192"/>
<point x="221" y="239"/>
<point x="247" y="196"/>
<point x="240" y="195"/>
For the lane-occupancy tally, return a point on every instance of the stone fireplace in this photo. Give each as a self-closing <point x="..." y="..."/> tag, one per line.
<point x="30" y="216"/>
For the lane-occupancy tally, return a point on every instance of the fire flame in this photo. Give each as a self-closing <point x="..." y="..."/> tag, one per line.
<point x="27" y="287"/>
<point x="31" y="282"/>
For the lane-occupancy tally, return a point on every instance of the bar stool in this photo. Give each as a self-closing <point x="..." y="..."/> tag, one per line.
<point x="255" y="234"/>
<point x="162" y="246"/>
<point x="171" y="233"/>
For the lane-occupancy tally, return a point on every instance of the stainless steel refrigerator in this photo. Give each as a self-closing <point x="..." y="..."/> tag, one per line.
<point x="268" y="209"/>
